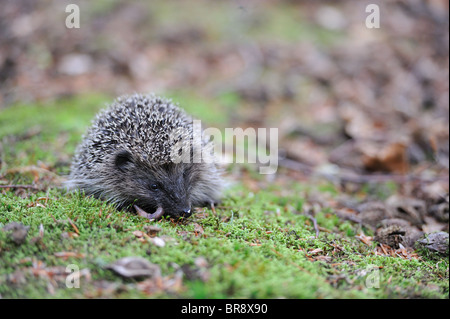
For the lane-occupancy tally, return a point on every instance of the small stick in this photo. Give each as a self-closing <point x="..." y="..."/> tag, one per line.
<point x="316" y="227"/>
<point x="213" y="208"/>
<point x="20" y="186"/>
<point x="54" y="219"/>
<point x="360" y="178"/>
<point x="74" y="226"/>
<point x="349" y="217"/>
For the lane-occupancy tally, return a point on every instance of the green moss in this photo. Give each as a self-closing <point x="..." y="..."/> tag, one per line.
<point x="259" y="244"/>
<point x="45" y="132"/>
<point x="252" y="255"/>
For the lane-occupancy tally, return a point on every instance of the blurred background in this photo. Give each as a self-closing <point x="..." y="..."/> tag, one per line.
<point x="347" y="99"/>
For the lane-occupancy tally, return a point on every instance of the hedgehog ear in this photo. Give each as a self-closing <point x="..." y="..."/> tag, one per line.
<point x="123" y="158"/>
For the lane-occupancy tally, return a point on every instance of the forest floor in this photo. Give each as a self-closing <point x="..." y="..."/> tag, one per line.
<point x="362" y="180"/>
<point x="260" y="242"/>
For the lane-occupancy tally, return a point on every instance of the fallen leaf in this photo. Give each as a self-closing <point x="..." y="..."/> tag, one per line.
<point x="132" y="267"/>
<point x="323" y="258"/>
<point x="201" y="215"/>
<point x="152" y="230"/>
<point x="254" y="244"/>
<point x="388" y="158"/>
<point x="74" y="226"/>
<point x="68" y="254"/>
<point x="437" y="242"/>
<point x="138" y="233"/>
<point x="315" y="251"/>
<point x="157" y="241"/>
<point x="69" y="235"/>
<point x="365" y="239"/>
<point x="169" y="284"/>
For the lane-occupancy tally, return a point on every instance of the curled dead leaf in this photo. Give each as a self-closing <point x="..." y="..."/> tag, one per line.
<point x="152" y="230"/>
<point x="387" y="158"/>
<point x="138" y="233"/>
<point x="437" y="242"/>
<point x="132" y="267"/>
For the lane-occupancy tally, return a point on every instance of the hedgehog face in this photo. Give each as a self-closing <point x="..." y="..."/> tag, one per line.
<point x="162" y="188"/>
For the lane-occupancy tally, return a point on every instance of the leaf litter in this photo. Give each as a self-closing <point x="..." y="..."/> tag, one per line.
<point x="382" y="99"/>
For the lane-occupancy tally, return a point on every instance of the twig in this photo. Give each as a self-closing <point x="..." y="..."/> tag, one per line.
<point x="316" y="227"/>
<point x="382" y="178"/>
<point x="74" y="226"/>
<point x="31" y="168"/>
<point x="360" y="178"/>
<point x="349" y="217"/>
<point x="324" y="229"/>
<point x="213" y="209"/>
<point x="20" y="186"/>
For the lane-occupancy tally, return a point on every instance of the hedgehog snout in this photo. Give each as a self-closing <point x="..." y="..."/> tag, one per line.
<point x="176" y="201"/>
<point x="177" y="209"/>
<point x="185" y="212"/>
<point x="181" y="211"/>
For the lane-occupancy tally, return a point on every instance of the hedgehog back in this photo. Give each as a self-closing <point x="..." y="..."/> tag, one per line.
<point x="139" y="124"/>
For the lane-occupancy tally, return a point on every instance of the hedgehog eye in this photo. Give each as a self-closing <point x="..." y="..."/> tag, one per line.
<point x="122" y="160"/>
<point x="154" y="186"/>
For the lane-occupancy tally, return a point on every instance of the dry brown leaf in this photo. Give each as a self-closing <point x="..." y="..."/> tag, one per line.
<point x="69" y="235"/>
<point x="138" y="233"/>
<point x="152" y="230"/>
<point x="437" y="242"/>
<point x="198" y="229"/>
<point x="132" y="267"/>
<point x="315" y="251"/>
<point x="68" y="254"/>
<point x="169" y="284"/>
<point x="365" y="239"/>
<point x="201" y="215"/>
<point x="386" y="158"/>
<point x="74" y="226"/>
<point x="323" y="258"/>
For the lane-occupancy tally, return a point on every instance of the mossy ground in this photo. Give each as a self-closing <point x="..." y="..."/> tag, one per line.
<point x="257" y="244"/>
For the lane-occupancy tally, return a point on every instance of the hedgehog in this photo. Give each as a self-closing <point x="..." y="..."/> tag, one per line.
<point x="138" y="154"/>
